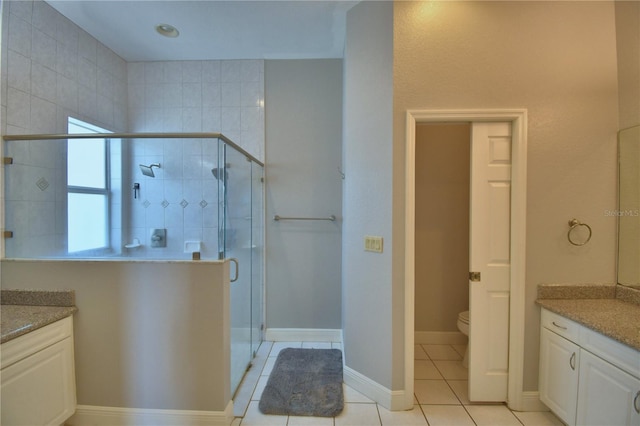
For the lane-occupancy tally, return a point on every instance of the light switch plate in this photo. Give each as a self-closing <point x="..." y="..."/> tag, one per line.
<point x="373" y="243"/>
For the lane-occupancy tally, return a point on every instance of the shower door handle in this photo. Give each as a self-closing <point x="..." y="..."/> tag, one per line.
<point x="234" y="260"/>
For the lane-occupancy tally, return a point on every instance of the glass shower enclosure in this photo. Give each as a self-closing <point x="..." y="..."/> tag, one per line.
<point x="240" y="184"/>
<point x="128" y="196"/>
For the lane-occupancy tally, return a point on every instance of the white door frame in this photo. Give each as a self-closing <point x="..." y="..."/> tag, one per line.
<point x="518" y="119"/>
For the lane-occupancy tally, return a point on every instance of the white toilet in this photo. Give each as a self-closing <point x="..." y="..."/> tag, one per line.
<point x="463" y="326"/>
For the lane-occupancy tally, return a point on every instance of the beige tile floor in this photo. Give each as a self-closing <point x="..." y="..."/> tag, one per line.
<point x="440" y="396"/>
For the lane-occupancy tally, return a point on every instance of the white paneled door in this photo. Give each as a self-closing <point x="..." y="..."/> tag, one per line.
<point x="490" y="258"/>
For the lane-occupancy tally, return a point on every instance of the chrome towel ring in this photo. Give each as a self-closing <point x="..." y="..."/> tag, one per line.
<point x="573" y="224"/>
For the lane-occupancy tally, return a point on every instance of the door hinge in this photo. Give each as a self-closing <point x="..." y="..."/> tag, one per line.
<point x="7" y="160"/>
<point x="474" y="276"/>
<point x="7" y="234"/>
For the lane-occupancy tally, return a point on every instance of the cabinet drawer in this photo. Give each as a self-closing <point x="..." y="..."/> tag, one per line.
<point x="23" y="346"/>
<point x="560" y="325"/>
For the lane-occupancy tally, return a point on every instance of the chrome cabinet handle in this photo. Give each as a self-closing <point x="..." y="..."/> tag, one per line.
<point x="636" y="400"/>
<point x="572" y="361"/>
<point x="234" y="260"/>
<point x="559" y="326"/>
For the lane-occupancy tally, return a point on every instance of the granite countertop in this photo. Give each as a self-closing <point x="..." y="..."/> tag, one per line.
<point x="607" y="309"/>
<point x="23" y="311"/>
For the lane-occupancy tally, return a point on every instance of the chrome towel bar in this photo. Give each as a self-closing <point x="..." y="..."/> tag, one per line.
<point x="332" y="218"/>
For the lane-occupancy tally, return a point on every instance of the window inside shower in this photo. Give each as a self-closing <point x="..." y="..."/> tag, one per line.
<point x="87" y="189"/>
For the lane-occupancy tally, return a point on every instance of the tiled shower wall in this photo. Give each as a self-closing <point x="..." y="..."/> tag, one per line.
<point x="224" y="96"/>
<point x="52" y="69"/>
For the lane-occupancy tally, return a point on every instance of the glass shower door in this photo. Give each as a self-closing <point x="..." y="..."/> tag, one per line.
<point x="234" y="185"/>
<point x="257" y="255"/>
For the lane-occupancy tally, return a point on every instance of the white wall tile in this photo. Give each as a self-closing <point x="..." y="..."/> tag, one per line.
<point x="154" y="216"/>
<point x="154" y="119"/>
<point x="172" y="148"/>
<point x="192" y="147"/>
<point x="44" y="18"/>
<point x="211" y="119"/>
<point x="87" y="47"/>
<point x="192" y="167"/>
<point x="23" y="9"/>
<point x="87" y="74"/>
<point x="154" y="73"/>
<point x="67" y="93"/>
<point x="88" y="102"/>
<point x="136" y="73"/>
<point x="136" y="96"/>
<point x="172" y="93"/>
<point x="153" y="148"/>
<point x="67" y="32"/>
<point x="192" y="95"/>
<point x="105" y="84"/>
<point x="18" y="108"/>
<point x="192" y="120"/>
<point x="106" y="59"/>
<point x="174" y="216"/>
<point x="192" y="72"/>
<point x="230" y="71"/>
<point x="230" y="94"/>
<point x="172" y="120"/>
<point x="211" y="72"/>
<point x="211" y="95"/>
<point x="251" y="70"/>
<point x="252" y="118"/>
<point x="173" y="190"/>
<point x="193" y="192"/>
<point x="252" y="94"/>
<point x="154" y="96"/>
<point x="41" y="218"/>
<point x="106" y="111"/>
<point x="19" y="35"/>
<point x="19" y="72"/>
<point x="67" y="60"/>
<point x="44" y="49"/>
<point x="230" y="119"/>
<point x="43" y="116"/>
<point x="172" y="71"/>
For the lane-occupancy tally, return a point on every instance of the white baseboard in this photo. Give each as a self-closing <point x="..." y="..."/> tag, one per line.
<point x="89" y="415"/>
<point x="391" y="400"/>
<point x="440" y="338"/>
<point x="530" y="401"/>
<point x="303" y="335"/>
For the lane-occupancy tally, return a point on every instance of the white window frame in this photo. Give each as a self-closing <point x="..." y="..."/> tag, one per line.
<point x="105" y="191"/>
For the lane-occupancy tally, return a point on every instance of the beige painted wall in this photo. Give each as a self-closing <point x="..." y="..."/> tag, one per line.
<point x="147" y="334"/>
<point x="558" y="60"/>
<point x="442" y="225"/>
<point x="628" y="49"/>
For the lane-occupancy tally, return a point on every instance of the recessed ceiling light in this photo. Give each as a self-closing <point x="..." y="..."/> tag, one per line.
<point x="167" y="30"/>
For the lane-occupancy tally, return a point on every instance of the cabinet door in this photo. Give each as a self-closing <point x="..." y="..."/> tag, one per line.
<point x="40" y="389"/>
<point x="558" y="381"/>
<point x="606" y="395"/>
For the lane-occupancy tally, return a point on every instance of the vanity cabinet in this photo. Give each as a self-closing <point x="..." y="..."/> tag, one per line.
<point x="558" y="383"/>
<point x="606" y="394"/>
<point x="37" y="378"/>
<point x="585" y="377"/>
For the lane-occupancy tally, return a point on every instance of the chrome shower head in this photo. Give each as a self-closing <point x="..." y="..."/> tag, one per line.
<point x="218" y="173"/>
<point x="148" y="170"/>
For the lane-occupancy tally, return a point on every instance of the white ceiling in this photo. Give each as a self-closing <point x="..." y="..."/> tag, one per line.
<point x="212" y="29"/>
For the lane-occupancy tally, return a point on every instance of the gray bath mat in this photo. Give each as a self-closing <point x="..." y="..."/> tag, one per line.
<point x="305" y="382"/>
